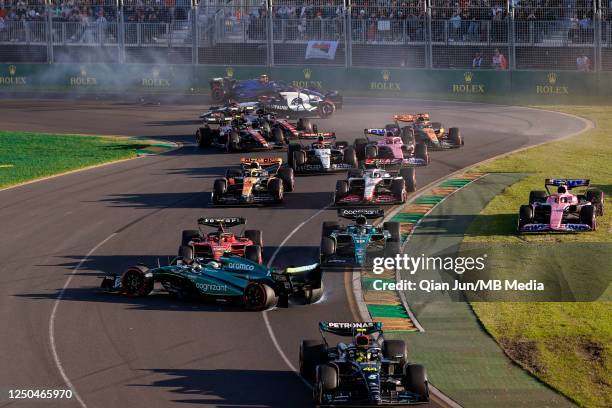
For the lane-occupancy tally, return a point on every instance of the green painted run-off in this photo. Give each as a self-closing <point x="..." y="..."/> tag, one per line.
<point x="391" y="311"/>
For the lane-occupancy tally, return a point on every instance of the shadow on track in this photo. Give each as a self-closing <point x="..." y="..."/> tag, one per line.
<point x="234" y="388"/>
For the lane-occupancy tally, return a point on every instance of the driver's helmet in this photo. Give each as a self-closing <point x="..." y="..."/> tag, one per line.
<point x="213" y="265"/>
<point x="225" y="237"/>
<point x="255" y="124"/>
<point x="254" y="166"/>
<point x="264" y="79"/>
<point x="361" y="220"/>
<point x="561" y="190"/>
<point x="362" y="344"/>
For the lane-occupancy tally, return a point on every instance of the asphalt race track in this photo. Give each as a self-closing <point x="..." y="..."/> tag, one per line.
<point x="127" y="352"/>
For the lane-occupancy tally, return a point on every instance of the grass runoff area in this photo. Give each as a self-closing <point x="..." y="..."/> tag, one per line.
<point x="563" y="336"/>
<point x="27" y="156"/>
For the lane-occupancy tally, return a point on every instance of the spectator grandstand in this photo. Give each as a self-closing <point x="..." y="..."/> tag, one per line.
<point x="531" y="34"/>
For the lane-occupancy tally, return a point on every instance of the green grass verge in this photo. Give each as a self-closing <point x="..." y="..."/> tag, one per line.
<point x="28" y="156"/>
<point x="565" y="344"/>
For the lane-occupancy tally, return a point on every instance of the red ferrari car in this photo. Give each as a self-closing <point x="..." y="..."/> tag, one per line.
<point x="214" y="245"/>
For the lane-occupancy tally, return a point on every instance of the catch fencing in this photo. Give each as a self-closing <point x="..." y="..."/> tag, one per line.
<point x="475" y="34"/>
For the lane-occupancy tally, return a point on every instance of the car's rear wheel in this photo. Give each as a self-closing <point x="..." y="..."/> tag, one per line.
<point x="312" y="353"/>
<point x="326" y="109"/>
<point x="299" y="158"/>
<point x="327" y="377"/>
<point x="407" y="135"/>
<point x="415" y="381"/>
<point x="395" y="350"/>
<point x="259" y="296"/>
<point x="217" y="94"/>
<point x="275" y="186"/>
<point x="587" y="216"/>
<point x="454" y="136"/>
<point x="304" y="125"/>
<point x="188" y="235"/>
<point x="313" y="295"/>
<point x="135" y="281"/>
<point x="596" y="197"/>
<point x="233" y="142"/>
<point x="255" y="236"/>
<point x="277" y="136"/>
<point x="329" y="227"/>
<point x="350" y="157"/>
<point x="394" y="229"/>
<point x="186" y="253"/>
<point x="219" y="188"/>
<point x="293" y="147"/>
<point x="342" y="189"/>
<point x="409" y="176"/>
<point x="203" y="137"/>
<point x="360" y="145"/>
<point x="537" y="196"/>
<point x="286" y="174"/>
<point x="390" y="126"/>
<point x="328" y="246"/>
<point x="525" y="216"/>
<point x="421" y="152"/>
<point x="371" y="152"/>
<point x="253" y="253"/>
<point x="355" y="173"/>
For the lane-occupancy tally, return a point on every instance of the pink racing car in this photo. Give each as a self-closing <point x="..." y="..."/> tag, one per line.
<point x="562" y="211"/>
<point x="396" y="147"/>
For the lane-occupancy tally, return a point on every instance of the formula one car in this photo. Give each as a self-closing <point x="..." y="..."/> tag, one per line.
<point x="360" y="242"/>
<point x="562" y="211"/>
<point x="230" y="279"/>
<point x="277" y="96"/>
<point x="367" y="371"/>
<point x="323" y="156"/>
<point x="396" y="147"/>
<point x="244" y="132"/>
<point x="431" y="133"/>
<point x="375" y="186"/>
<point x="221" y="242"/>
<point x="217" y="115"/>
<point x="259" y="181"/>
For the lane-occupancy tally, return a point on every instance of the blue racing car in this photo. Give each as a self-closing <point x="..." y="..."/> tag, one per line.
<point x="358" y="243"/>
<point x="229" y="279"/>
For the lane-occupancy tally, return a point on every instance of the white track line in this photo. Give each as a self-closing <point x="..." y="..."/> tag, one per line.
<point x="59" y="298"/>
<point x="265" y="312"/>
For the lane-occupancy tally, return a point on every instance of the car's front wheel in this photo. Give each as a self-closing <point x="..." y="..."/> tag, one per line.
<point x="259" y="296"/>
<point x="137" y="281"/>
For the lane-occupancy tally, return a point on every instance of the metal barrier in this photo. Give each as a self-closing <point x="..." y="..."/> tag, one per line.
<point x="576" y="35"/>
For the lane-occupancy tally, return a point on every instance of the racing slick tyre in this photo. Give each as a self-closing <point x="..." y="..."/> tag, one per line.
<point x="341" y="144"/>
<point x="186" y="253"/>
<point x="326" y="109"/>
<point x="328" y="246"/>
<point x="421" y="152"/>
<point x="355" y="173"/>
<point x="304" y="125"/>
<point x="360" y="145"/>
<point x="350" y="157"/>
<point x="312" y="353"/>
<point x="293" y="147"/>
<point x="327" y="377"/>
<point x="371" y="152"/>
<point x="188" y="235"/>
<point x="596" y="197"/>
<point x="255" y="236"/>
<point x="219" y="188"/>
<point x="587" y="216"/>
<point x="233" y="142"/>
<point x="415" y="381"/>
<point x="409" y="176"/>
<point x="277" y="136"/>
<point x="276" y="189"/>
<point x="394" y="230"/>
<point x="454" y="136"/>
<point x="203" y="137"/>
<point x="329" y="227"/>
<point x="286" y="175"/>
<point x="259" y="296"/>
<point x="537" y="196"/>
<point x="342" y="189"/>
<point x="299" y="158"/>
<point x="436" y="125"/>
<point x="395" y="350"/>
<point x="392" y="248"/>
<point x="398" y="189"/>
<point x="407" y="135"/>
<point x="253" y="253"/>
<point x="217" y="94"/>
<point x="390" y="126"/>
<point x="313" y="295"/>
<point x="135" y="281"/>
<point x="525" y="216"/>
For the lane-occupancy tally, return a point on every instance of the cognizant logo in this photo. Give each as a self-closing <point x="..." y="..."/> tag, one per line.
<point x="206" y="287"/>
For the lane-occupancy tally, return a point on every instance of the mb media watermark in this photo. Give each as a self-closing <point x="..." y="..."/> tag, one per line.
<point x="413" y="264"/>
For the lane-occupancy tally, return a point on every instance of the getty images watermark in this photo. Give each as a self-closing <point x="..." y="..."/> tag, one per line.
<point x="411" y="264"/>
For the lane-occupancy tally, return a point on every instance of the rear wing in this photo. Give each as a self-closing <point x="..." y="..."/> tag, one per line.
<point x="375" y="131"/>
<point x="350" y="328"/>
<point x="569" y="183"/>
<point x="316" y="135"/>
<point x="221" y="222"/>
<point x="412" y="117"/>
<point x="353" y="213"/>
<point x="264" y="162"/>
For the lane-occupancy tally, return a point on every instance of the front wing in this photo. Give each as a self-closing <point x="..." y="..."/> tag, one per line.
<point x="548" y="228"/>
